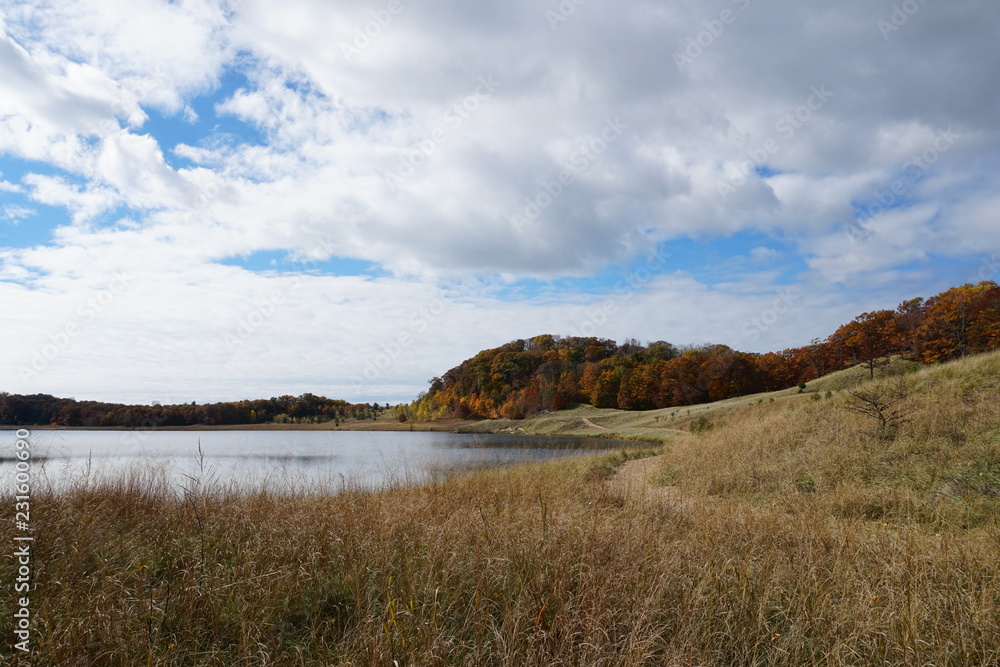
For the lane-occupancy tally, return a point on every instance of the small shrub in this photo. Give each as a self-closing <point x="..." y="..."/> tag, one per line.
<point x="665" y="476"/>
<point x="885" y="403"/>
<point x="806" y="484"/>
<point x="702" y="425"/>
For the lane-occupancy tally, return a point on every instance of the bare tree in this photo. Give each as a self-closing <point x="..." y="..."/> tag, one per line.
<point x="885" y="403"/>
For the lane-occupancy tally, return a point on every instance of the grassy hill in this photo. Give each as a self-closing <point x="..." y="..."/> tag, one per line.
<point x="663" y="425"/>
<point x="789" y="533"/>
<point x="529" y="376"/>
<point x="942" y="468"/>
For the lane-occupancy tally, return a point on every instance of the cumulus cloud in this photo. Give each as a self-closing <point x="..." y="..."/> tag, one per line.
<point x="456" y="145"/>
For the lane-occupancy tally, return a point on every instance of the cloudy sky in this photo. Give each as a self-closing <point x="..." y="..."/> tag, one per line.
<point x="205" y="201"/>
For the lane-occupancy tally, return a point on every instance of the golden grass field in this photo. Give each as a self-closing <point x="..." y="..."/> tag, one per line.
<point x="786" y="534"/>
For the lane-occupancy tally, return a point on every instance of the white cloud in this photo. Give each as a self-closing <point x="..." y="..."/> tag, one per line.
<point x="82" y="81"/>
<point x="6" y="186"/>
<point x="15" y="213"/>
<point x="762" y="254"/>
<point x="160" y="52"/>
<point x="200" y="332"/>
<point x="85" y="203"/>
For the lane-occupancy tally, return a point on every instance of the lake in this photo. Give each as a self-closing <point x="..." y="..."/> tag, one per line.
<point x="280" y="460"/>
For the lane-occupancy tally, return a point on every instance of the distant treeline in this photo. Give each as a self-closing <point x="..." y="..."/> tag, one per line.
<point x="39" y="409"/>
<point x="549" y="372"/>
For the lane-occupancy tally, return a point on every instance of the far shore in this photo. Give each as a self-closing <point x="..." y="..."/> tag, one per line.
<point x="581" y="421"/>
<point x="350" y="425"/>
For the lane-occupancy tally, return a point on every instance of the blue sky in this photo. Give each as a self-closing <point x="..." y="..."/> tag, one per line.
<point x="213" y="201"/>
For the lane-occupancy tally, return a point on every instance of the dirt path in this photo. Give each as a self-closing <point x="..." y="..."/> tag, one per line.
<point x="633" y="479"/>
<point x="629" y="428"/>
<point x="632" y="483"/>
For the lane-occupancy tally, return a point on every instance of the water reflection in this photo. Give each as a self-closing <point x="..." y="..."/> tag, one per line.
<point x="318" y="460"/>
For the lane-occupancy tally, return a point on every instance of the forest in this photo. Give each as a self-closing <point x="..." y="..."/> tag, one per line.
<point x="549" y="372"/>
<point x="42" y="409"/>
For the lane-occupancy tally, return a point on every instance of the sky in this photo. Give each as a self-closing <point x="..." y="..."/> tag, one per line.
<point x="205" y="201"/>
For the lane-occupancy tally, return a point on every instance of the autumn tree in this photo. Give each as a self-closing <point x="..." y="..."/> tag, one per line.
<point x="868" y="339"/>
<point x="909" y="317"/>
<point x="606" y="388"/>
<point x="959" y="321"/>
<point x="636" y="391"/>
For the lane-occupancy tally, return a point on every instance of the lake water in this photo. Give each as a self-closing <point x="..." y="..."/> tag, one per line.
<point x="276" y="459"/>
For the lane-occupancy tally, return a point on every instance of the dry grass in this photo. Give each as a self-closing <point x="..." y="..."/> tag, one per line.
<point x="790" y="536"/>
<point x="663" y="425"/>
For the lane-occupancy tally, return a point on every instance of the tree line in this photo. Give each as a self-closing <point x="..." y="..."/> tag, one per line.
<point x="42" y="409"/>
<point x="549" y="372"/>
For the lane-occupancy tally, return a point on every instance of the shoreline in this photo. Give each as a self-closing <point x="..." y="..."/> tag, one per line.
<point x="448" y="426"/>
<point x="580" y="422"/>
<point x="538" y="427"/>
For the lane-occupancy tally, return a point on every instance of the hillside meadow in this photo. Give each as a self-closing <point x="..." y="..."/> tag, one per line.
<point x="783" y="532"/>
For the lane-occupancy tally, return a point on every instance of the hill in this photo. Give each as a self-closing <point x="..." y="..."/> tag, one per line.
<point x="530" y="376"/>
<point x="943" y="456"/>
<point x="662" y="425"/>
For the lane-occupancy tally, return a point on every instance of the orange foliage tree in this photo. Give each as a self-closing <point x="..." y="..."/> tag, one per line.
<point x="552" y="372"/>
